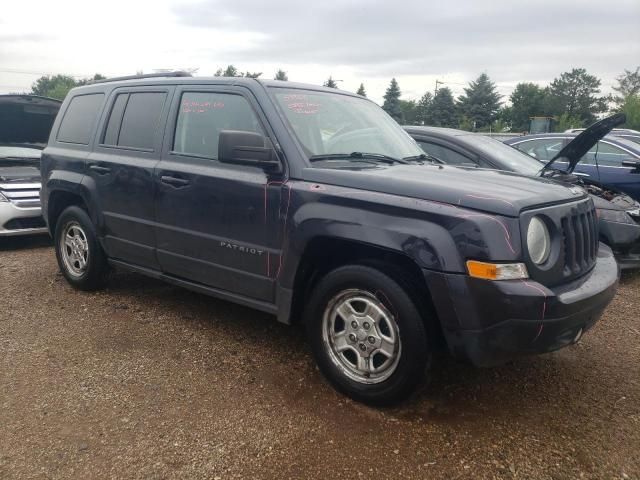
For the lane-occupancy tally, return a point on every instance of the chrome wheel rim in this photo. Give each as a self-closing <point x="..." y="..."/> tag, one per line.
<point x="361" y="336"/>
<point x="75" y="249"/>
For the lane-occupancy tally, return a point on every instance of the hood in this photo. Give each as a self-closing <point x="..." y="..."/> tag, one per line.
<point x="579" y="146"/>
<point x="20" y="175"/>
<point x="492" y="191"/>
<point x="26" y="119"/>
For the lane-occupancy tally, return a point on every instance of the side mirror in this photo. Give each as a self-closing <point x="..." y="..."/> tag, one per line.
<point x="247" y="148"/>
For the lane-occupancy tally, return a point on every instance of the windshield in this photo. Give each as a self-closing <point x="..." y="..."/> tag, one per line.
<point x="508" y="157"/>
<point x="333" y="124"/>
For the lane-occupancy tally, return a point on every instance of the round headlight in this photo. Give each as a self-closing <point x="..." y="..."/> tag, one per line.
<point x="538" y="241"/>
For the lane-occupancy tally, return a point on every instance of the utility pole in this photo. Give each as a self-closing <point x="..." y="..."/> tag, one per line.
<point x="436" y="90"/>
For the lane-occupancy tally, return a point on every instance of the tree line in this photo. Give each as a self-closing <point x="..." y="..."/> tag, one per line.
<point x="574" y="99"/>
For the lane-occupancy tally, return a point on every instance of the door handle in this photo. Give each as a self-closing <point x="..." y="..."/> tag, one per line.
<point x="174" y="181"/>
<point x="100" y="170"/>
<point x="580" y="174"/>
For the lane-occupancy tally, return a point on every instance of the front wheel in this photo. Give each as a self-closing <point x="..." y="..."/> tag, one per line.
<point x="80" y="256"/>
<point x="367" y="335"/>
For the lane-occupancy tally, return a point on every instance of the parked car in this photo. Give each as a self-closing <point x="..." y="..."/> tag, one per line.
<point x="618" y="214"/>
<point x="613" y="162"/>
<point x="314" y="205"/>
<point x="625" y="133"/>
<point x="25" y="124"/>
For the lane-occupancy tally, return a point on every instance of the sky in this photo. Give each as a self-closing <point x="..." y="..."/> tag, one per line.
<point x="354" y="41"/>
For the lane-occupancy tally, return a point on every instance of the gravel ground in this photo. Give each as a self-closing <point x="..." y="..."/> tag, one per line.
<point x="145" y="380"/>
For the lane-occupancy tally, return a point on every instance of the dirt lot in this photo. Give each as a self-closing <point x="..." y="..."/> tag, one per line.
<point x="145" y="380"/>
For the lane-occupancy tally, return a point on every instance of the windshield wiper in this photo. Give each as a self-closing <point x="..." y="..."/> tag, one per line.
<point x="423" y="156"/>
<point x="357" y="155"/>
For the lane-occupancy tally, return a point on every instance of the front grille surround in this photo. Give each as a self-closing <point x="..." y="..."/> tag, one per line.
<point x="22" y="195"/>
<point x="573" y="230"/>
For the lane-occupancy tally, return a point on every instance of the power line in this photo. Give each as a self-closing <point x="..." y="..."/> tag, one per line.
<point x="26" y="72"/>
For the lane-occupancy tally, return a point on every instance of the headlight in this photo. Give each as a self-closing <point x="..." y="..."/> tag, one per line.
<point x="538" y="241"/>
<point x="3" y="198"/>
<point x="617" y="216"/>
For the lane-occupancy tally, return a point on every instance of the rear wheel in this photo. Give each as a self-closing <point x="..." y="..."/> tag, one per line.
<point x="367" y="335"/>
<point x="80" y="256"/>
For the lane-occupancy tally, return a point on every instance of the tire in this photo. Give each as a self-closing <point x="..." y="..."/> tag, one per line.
<point x="80" y="258"/>
<point x="388" y="330"/>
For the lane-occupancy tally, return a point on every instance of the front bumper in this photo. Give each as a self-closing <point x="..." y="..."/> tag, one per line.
<point x="624" y="240"/>
<point x="491" y="322"/>
<point x="20" y="221"/>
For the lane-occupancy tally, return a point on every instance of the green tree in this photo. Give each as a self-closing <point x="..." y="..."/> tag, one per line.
<point x="409" y="112"/>
<point x="232" y="71"/>
<point x="331" y="83"/>
<point x="423" y="109"/>
<point x="391" y="103"/>
<point x="527" y="100"/>
<point x="628" y="84"/>
<point x="631" y="108"/>
<point x="442" y="112"/>
<point x="576" y="94"/>
<point x="57" y="86"/>
<point x="567" y="121"/>
<point x="361" y="91"/>
<point x="480" y="102"/>
<point x="281" y="75"/>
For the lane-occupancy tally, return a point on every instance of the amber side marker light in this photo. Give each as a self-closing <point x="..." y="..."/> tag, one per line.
<point x="497" y="271"/>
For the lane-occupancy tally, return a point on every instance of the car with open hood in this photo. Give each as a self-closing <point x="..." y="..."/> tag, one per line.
<point x="611" y="161"/>
<point x="25" y="123"/>
<point x="618" y="213"/>
<point x="313" y="205"/>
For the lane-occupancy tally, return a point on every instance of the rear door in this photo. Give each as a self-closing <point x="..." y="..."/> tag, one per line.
<point x="121" y="169"/>
<point x="218" y="224"/>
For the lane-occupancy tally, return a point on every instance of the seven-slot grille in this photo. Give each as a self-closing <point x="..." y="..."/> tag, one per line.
<point x="22" y="195"/>
<point x="580" y="241"/>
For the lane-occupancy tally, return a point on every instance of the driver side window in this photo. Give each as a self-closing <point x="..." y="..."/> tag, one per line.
<point x="203" y="115"/>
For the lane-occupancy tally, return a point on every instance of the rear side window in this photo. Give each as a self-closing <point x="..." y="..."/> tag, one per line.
<point x="80" y="119"/>
<point x="203" y="115"/>
<point x="134" y="120"/>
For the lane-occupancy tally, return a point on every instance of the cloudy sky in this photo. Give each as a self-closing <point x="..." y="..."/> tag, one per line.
<point x="355" y="41"/>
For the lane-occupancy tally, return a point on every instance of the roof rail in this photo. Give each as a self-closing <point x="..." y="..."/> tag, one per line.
<point x="146" y="75"/>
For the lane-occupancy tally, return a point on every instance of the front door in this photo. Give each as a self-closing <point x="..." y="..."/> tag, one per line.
<point x="120" y="171"/>
<point x="217" y="224"/>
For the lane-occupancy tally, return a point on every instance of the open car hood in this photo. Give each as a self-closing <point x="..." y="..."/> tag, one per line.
<point x="26" y="119"/>
<point x="579" y="146"/>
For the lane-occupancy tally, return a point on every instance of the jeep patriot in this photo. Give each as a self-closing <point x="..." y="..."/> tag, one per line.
<point x="312" y="204"/>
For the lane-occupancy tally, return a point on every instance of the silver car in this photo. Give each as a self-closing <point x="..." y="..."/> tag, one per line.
<point x="25" y="123"/>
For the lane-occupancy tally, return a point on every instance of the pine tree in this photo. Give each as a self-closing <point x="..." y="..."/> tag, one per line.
<point x="423" y="109"/>
<point x="331" y="83"/>
<point x="480" y="102"/>
<point x="281" y="75"/>
<point x="442" y="112"/>
<point x="391" y="103"/>
<point x="361" y="91"/>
